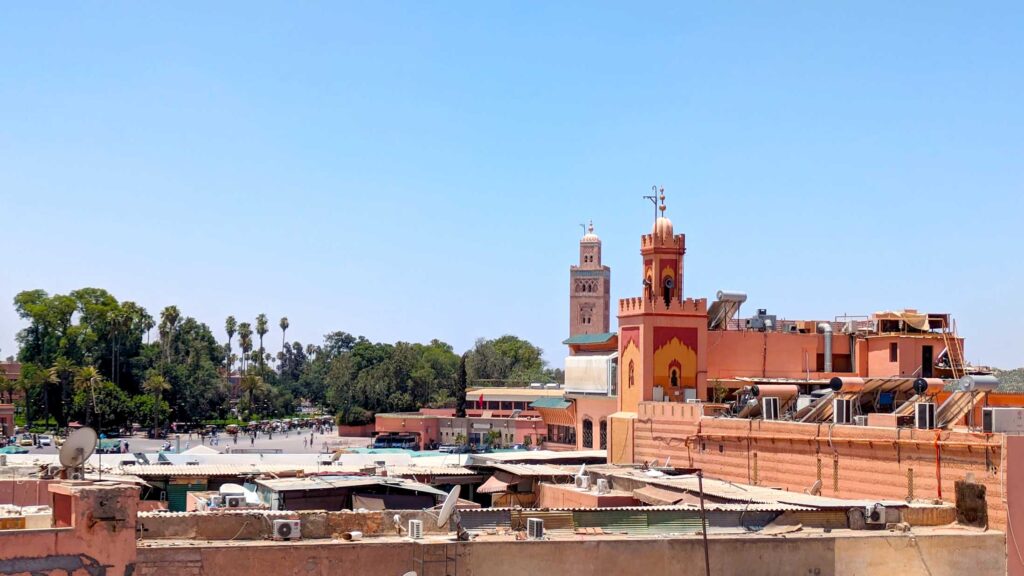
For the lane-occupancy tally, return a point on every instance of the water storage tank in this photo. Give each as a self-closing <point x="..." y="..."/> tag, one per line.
<point x="838" y="384"/>
<point x="978" y="383"/>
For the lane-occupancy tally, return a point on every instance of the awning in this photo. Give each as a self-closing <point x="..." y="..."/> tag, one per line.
<point x="550" y="403"/>
<point x="658" y="496"/>
<point x="493" y="486"/>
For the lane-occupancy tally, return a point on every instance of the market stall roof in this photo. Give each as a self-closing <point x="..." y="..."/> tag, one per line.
<point x="656" y="496"/>
<point x="493" y="486"/>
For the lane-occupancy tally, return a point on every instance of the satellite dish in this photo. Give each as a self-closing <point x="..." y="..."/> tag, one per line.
<point x="78" y="447"/>
<point x="449" y="506"/>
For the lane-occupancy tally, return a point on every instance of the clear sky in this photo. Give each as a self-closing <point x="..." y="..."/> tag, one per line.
<point x="418" y="170"/>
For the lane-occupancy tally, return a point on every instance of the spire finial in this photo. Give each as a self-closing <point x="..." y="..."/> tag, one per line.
<point x="590" y="228"/>
<point x="662" y="198"/>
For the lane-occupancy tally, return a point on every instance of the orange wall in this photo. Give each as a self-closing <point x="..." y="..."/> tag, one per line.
<point x="96" y="528"/>
<point x="597" y="409"/>
<point x="908" y="356"/>
<point x="871" y="462"/>
<point x="733" y="353"/>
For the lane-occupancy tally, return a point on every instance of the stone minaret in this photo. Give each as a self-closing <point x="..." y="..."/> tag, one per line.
<point x="589" y="289"/>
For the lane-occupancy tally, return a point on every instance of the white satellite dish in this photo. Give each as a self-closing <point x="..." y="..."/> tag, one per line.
<point x="449" y="511"/>
<point x="80" y="445"/>
<point x="449" y="506"/>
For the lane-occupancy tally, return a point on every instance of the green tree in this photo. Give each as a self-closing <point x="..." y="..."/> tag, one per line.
<point x="261" y="331"/>
<point x="169" y="318"/>
<point x="60" y="378"/>
<point x="156" y="385"/>
<point x="505" y="360"/>
<point x="284" y="329"/>
<point x="7" y="385"/>
<point x="245" y="342"/>
<point x="460" y="388"/>
<point x="85" y="380"/>
<point x="230" y="326"/>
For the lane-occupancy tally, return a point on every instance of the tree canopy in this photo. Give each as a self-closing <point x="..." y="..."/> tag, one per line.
<point x="87" y="356"/>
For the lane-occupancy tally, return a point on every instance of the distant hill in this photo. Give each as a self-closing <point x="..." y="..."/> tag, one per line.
<point x="1011" y="380"/>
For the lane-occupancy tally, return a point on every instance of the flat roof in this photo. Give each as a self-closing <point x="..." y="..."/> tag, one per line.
<point x="599" y="338"/>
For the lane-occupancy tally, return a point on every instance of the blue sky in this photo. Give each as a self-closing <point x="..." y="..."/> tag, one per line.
<point x="418" y="170"/>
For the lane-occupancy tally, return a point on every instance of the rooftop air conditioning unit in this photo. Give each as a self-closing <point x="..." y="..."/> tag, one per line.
<point x="583" y="482"/>
<point x="874" y="515"/>
<point x="416" y="529"/>
<point x="842" y="411"/>
<point x="770" y="408"/>
<point x="602" y="486"/>
<point x="860" y="420"/>
<point x="234" y="501"/>
<point x="1002" y="419"/>
<point x="535" y="528"/>
<point x="287" y="529"/>
<point x="924" y="415"/>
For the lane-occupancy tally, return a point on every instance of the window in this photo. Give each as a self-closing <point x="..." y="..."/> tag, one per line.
<point x="604" y="435"/>
<point x="631" y="373"/>
<point x="588" y="433"/>
<point x="894" y="352"/>
<point x="562" y="434"/>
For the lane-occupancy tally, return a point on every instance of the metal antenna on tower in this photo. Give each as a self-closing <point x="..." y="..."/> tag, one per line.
<point x="654" y="200"/>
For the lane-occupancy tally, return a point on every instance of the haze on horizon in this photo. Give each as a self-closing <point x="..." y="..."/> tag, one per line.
<point x="410" y="171"/>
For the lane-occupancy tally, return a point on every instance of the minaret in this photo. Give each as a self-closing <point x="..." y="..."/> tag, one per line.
<point x="662" y="335"/>
<point x="589" y="289"/>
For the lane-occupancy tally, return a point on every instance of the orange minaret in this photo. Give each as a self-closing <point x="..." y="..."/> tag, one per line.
<point x="662" y="335"/>
<point x="589" y="289"/>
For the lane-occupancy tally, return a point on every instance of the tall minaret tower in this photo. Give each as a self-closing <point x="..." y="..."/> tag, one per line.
<point x="589" y="289"/>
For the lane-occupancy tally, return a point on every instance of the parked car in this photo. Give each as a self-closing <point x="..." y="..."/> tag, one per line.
<point x="25" y="440"/>
<point x="45" y="440"/>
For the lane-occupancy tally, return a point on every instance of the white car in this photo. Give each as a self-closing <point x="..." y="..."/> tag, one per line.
<point x="45" y="440"/>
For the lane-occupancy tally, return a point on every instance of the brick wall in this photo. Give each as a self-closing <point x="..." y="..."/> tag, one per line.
<point x="850" y="461"/>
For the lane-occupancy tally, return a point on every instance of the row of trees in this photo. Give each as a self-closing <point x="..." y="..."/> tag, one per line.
<point x="87" y="356"/>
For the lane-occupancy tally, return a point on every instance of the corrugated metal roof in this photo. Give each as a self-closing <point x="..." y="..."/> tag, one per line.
<point x="208" y="470"/>
<point x="331" y="482"/>
<point x="532" y="470"/>
<point x="757" y="494"/>
<point x="537" y="456"/>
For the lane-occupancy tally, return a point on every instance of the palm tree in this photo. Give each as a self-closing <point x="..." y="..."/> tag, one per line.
<point x="230" y="326"/>
<point x="61" y="374"/>
<point x="6" y="386"/>
<point x="245" y="341"/>
<point x="284" y="329"/>
<point x="261" y="331"/>
<point x="156" y="385"/>
<point x="87" y="378"/>
<point x="168" y="324"/>
<point x="250" y="385"/>
<point x="25" y="384"/>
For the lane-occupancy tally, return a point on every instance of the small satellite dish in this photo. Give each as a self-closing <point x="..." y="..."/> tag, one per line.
<point x="80" y="445"/>
<point x="449" y="506"/>
<point x="815" y="488"/>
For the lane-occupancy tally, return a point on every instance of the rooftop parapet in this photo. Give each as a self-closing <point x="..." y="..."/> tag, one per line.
<point x="638" y="305"/>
